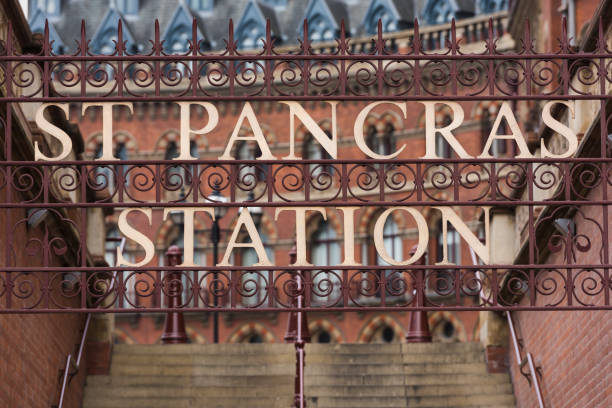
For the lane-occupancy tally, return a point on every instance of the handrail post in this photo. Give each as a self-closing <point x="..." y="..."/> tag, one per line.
<point x="298" y="333"/>
<point x="418" y="331"/>
<point x="174" y="324"/>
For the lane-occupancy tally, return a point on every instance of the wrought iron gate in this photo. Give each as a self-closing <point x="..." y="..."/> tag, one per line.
<point x="543" y="190"/>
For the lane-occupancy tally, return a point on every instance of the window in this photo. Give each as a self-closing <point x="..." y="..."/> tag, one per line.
<point x="499" y="146"/>
<point x="178" y="176"/>
<point x="249" y="173"/>
<point x="314" y="151"/>
<point x="325" y="252"/>
<point x="254" y="283"/>
<point x="320" y="30"/>
<point x="393" y="245"/>
<point x="50" y="7"/>
<point x="113" y="238"/>
<point x="323" y="337"/>
<point x="189" y="279"/>
<point x="322" y="26"/>
<point x="443" y="148"/>
<point x="121" y="169"/>
<point x="107" y="175"/>
<point x="382" y="144"/>
<point x="383" y="11"/>
<point x="439" y="12"/>
<point x="202" y="5"/>
<point x="444" y="279"/>
<point x="128" y="7"/>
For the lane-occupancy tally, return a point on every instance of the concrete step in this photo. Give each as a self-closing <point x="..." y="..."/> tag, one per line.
<point x="354" y="379"/>
<point x="158" y="391"/>
<point x="347" y="358"/>
<point x="188" y="370"/>
<point x="409" y="380"/>
<point x="404" y="348"/>
<point x="356" y="391"/>
<point x="198" y="381"/>
<point x="450" y="379"/>
<point x="465" y="368"/>
<point x="358" y="402"/>
<point x="213" y="349"/>
<point x="236" y="402"/>
<point x="462" y="401"/>
<point x="463" y="389"/>
<point x="441" y="348"/>
<point x="202" y="359"/>
<point x="464" y="357"/>
<point x="350" y="369"/>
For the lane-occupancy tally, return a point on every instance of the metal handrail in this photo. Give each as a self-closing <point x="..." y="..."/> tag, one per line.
<point x="527" y="360"/>
<point x="515" y="342"/>
<point x="73" y="363"/>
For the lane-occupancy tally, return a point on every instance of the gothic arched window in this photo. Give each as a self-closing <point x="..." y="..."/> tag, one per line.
<point x="325" y="251"/>
<point x="443" y="148"/>
<point x="254" y="283"/>
<point x="444" y="279"/>
<point x="312" y="150"/>
<point x="499" y="146"/>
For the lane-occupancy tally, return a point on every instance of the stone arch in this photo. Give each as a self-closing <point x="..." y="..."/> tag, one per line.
<point x="440" y="109"/>
<point x="121" y="136"/>
<point x="122" y="337"/>
<point x="442" y="316"/>
<point x="301" y="131"/>
<point x="369" y="216"/>
<point x="244" y="331"/>
<point x="313" y="219"/>
<point x="380" y="121"/>
<point x="367" y="332"/>
<point x="173" y="135"/>
<point x="323" y="324"/>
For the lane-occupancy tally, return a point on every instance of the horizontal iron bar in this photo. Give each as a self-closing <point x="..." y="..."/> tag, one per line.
<point x="322" y="203"/>
<point x="313" y="309"/>
<point x="298" y="98"/>
<point x="287" y="268"/>
<point x="214" y="162"/>
<point x="307" y="57"/>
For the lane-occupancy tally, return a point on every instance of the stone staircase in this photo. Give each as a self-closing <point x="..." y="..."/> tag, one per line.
<point x="261" y="375"/>
<point x="195" y="375"/>
<point x="403" y="375"/>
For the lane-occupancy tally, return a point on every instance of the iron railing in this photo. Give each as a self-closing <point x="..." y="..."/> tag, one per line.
<point x="540" y="190"/>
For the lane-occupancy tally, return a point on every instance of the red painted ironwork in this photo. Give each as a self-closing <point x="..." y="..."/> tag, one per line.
<point x="174" y="324"/>
<point x="418" y="330"/>
<point x="298" y="334"/>
<point x="312" y="73"/>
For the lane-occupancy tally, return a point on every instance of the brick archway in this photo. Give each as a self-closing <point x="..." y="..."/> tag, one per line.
<point x="124" y="137"/>
<point x="438" y="316"/>
<point x="240" y="334"/>
<point x="324" y="324"/>
<point x="369" y="329"/>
